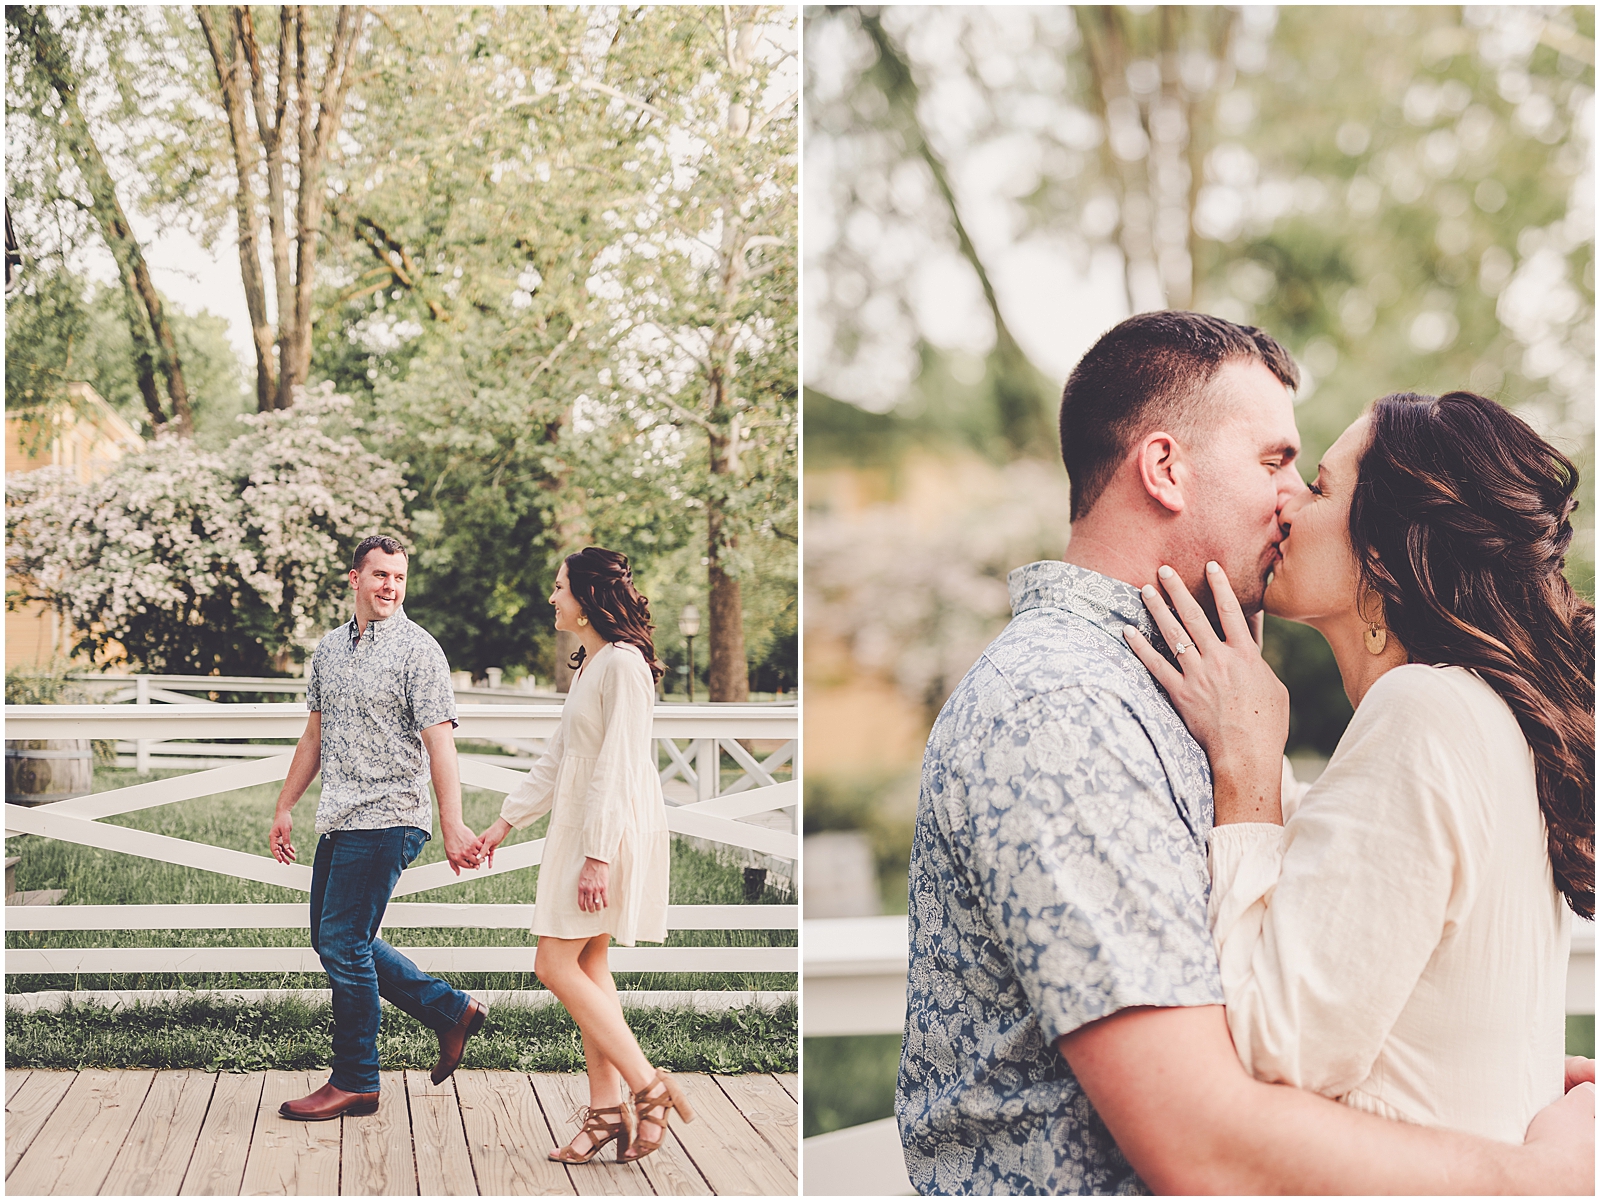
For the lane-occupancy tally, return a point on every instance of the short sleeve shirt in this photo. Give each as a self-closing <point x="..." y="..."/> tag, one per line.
<point x="377" y="691"/>
<point x="1058" y="875"/>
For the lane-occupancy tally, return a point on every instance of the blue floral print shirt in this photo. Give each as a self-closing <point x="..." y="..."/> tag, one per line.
<point x="377" y="692"/>
<point x="1058" y="875"/>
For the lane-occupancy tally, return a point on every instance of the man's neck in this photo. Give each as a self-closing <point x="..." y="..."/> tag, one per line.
<point x="1093" y="549"/>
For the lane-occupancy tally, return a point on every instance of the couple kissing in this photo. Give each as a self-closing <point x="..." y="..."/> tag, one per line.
<point x="1143" y="956"/>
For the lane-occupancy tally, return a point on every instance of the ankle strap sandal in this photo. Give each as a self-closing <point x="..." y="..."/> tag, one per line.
<point x="600" y="1129"/>
<point x="650" y="1104"/>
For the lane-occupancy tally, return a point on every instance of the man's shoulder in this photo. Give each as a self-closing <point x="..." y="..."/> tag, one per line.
<point x="1053" y="656"/>
<point x="334" y="640"/>
<point x="414" y="639"/>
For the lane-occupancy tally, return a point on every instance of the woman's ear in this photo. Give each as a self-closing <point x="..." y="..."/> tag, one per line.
<point x="1163" y="470"/>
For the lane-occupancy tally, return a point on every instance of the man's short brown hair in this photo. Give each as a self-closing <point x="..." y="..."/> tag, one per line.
<point x="388" y="545"/>
<point x="1148" y="373"/>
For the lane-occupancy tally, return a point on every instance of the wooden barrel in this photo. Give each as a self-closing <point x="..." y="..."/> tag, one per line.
<point x="41" y="771"/>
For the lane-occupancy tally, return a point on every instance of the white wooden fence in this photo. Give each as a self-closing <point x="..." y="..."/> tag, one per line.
<point x="710" y="730"/>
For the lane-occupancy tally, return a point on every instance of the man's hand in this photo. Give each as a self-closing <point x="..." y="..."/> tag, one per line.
<point x="1579" y="1071"/>
<point x="303" y="768"/>
<point x="594" y="885"/>
<point x="279" y="839"/>
<point x="1563" y="1134"/>
<point x="460" y="846"/>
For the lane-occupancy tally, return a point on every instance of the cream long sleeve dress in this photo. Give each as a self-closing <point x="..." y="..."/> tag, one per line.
<point x="1399" y="943"/>
<point x="598" y="781"/>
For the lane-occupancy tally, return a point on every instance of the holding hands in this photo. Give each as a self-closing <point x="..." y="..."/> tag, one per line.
<point x="1233" y="704"/>
<point x="461" y="846"/>
<point x="594" y="879"/>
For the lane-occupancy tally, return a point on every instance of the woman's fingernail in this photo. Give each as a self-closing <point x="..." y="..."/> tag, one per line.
<point x="1165" y="573"/>
<point x="1129" y="631"/>
<point x="1212" y="566"/>
<point x="1149" y="590"/>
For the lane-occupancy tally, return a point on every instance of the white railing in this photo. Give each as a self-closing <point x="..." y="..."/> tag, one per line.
<point x="713" y="815"/>
<point x="686" y="764"/>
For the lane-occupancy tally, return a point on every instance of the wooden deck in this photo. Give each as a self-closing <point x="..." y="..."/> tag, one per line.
<point x="187" y="1133"/>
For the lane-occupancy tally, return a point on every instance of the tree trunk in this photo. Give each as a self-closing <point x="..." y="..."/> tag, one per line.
<point x="316" y="141"/>
<point x="232" y="72"/>
<point x="51" y="56"/>
<point x="144" y="359"/>
<point x="1019" y="394"/>
<point x="269" y="128"/>
<point x="728" y="671"/>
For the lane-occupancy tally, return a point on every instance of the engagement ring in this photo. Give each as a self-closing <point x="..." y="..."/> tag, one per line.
<point x="1181" y="647"/>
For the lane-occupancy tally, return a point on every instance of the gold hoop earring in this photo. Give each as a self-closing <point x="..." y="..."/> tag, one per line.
<point x="582" y="619"/>
<point x="1376" y="639"/>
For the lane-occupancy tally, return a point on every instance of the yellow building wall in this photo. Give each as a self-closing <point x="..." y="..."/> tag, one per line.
<point x="88" y="437"/>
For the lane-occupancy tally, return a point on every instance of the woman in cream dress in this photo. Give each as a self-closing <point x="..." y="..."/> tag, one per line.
<point x="604" y="871"/>
<point x="1397" y="935"/>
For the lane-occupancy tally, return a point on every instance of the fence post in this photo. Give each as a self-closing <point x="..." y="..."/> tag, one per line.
<point x="141" y="747"/>
<point x="707" y="768"/>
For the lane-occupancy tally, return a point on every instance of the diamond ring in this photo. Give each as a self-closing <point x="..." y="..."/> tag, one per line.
<point x="1181" y="647"/>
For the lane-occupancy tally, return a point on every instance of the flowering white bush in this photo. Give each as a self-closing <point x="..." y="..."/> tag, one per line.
<point x="918" y="589"/>
<point x="200" y="561"/>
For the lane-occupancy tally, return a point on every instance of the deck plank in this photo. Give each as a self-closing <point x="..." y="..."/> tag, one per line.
<point x="29" y="1108"/>
<point x="771" y="1111"/>
<point x="221" y="1151"/>
<point x="790" y="1082"/>
<point x="287" y="1158"/>
<point x="444" y="1168"/>
<point x="507" y="1136"/>
<point x="15" y="1078"/>
<point x="72" y="1154"/>
<point x="377" y="1159"/>
<point x="559" y="1095"/>
<point x="726" y="1148"/>
<point x="155" y="1156"/>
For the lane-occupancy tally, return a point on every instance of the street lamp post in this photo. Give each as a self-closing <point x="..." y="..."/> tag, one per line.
<point x="689" y="626"/>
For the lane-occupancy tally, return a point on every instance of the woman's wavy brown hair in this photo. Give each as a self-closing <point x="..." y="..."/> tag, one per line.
<point x="602" y="582"/>
<point x="1460" y="521"/>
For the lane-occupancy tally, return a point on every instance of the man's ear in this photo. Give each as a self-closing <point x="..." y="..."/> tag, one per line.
<point x="1162" y="470"/>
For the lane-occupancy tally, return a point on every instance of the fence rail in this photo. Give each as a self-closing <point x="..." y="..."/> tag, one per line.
<point x="711" y="731"/>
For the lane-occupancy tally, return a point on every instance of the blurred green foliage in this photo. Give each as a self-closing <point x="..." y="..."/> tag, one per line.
<point x="848" y="1081"/>
<point x="883" y="806"/>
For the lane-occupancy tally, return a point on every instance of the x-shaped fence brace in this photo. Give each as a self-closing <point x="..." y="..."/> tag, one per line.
<point x="78" y="821"/>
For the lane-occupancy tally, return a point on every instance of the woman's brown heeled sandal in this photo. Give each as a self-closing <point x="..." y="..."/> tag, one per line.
<point x="653" y="1109"/>
<point x="601" y="1130"/>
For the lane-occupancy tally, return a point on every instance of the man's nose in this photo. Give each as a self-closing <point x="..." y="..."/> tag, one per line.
<point x="1289" y="506"/>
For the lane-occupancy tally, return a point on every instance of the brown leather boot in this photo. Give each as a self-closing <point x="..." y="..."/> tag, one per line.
<point x="328" y="1103"/>
<point x="453" y="1042"/>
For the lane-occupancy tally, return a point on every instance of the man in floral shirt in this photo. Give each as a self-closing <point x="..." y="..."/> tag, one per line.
<point x="1064" y="1026"/>
<point x="382" y="719"/>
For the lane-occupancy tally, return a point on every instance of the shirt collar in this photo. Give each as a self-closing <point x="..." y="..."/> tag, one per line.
<point x="378" y="628"/>
<point x="1100" y="600"/>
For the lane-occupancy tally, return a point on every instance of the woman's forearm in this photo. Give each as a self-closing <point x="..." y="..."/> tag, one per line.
<point x="1247" y="786"/>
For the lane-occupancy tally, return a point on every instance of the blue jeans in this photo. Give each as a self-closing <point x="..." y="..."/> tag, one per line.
<point x="351" y="881"/>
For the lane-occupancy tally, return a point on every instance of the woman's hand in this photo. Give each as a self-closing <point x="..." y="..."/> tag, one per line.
<point x="594" y="885"/>
<point x="493" y="837"/>
<point x="1233" y="704"/>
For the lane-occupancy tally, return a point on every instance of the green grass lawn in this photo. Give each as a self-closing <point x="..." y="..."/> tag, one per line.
<point x="214" y="1035"/>
<point x="240" y="820"/>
